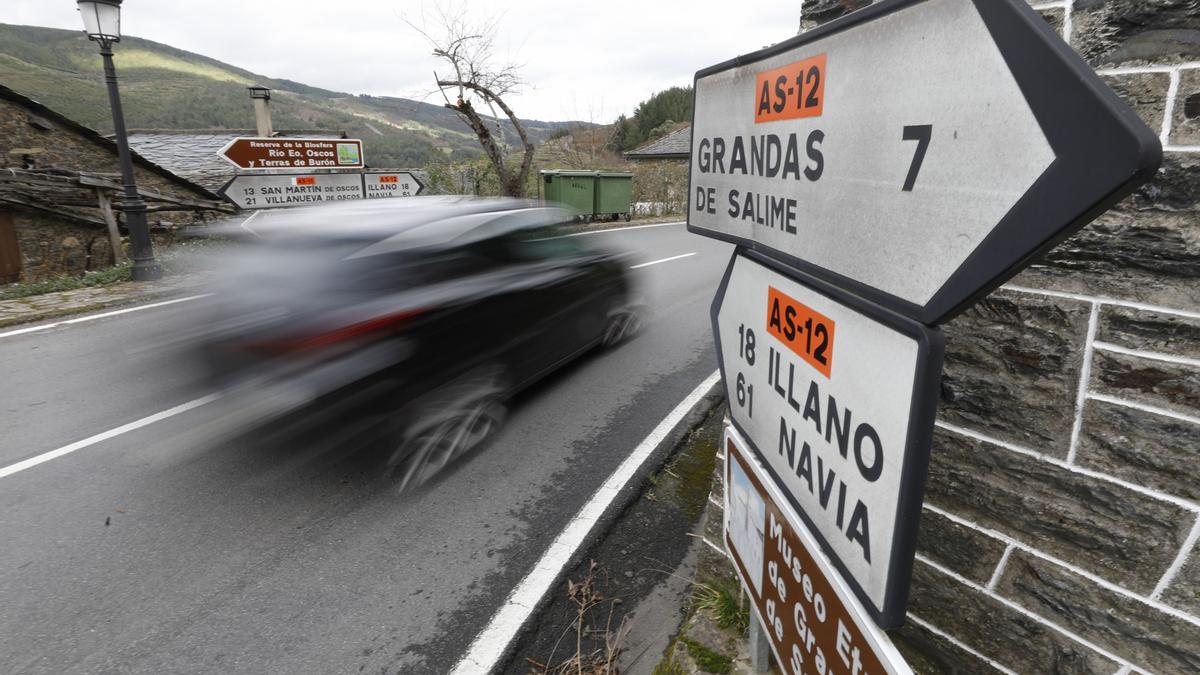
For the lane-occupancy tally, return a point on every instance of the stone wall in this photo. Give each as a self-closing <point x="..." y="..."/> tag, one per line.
<point x="660" y="186"/>
<point x="1062" y="512"/>
<point x="50" y="245"/>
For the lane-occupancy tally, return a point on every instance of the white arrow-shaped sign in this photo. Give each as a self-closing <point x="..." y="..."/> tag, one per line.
<point x="272" y="191"/>
<point x="918" y="152"/>
<point x="838" y="397"/>
<point x="388" y="184"/>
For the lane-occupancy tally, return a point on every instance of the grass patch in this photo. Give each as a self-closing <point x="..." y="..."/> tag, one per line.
<point x="686" y="481"/>
<point x="102" y="277"/>
<point x="134" y="58"/>
<point x="669" y="666"/>
<point x="708" y="660"/>
<point x="723" y="599"/>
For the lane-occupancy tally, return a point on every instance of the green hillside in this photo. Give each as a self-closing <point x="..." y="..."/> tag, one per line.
<point x="167" y="88"/>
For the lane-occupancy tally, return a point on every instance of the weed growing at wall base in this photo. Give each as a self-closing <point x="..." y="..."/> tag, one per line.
<point x="102" y="277"/>
<point x="723" y="599"/>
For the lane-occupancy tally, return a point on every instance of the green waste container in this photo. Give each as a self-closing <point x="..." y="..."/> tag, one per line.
<point x="614" y="189"/>
<point x="576" y="189"/>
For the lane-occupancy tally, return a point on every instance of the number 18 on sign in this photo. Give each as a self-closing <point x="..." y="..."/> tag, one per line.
<point x="837" y="396"/>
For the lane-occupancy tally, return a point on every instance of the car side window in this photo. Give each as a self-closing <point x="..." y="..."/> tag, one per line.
<point x="543" y="243"/>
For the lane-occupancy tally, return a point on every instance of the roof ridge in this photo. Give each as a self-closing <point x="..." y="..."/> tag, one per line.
<point x="90" y="133"/>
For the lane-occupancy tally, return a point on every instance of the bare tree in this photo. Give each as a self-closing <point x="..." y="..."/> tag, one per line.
<point x="466" y="47"/>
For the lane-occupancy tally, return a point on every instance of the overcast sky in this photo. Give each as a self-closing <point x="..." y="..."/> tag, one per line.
<point x="586" y="61"/>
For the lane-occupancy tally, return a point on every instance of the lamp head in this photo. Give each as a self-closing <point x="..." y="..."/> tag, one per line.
<point x="101" y="19"/>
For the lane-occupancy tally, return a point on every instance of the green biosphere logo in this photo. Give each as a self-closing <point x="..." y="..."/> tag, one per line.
<point x="347" y="153"/>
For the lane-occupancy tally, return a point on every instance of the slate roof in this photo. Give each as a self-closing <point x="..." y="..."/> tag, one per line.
<point x="675" y="145"/>
<point x="194" y="154"/>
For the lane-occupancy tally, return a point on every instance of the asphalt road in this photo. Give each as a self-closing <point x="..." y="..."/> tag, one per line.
<point x="149" y="552"/>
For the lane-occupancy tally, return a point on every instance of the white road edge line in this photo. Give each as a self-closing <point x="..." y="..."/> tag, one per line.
<point x="105" y="435"/>
<point x="663" y="260"/>
<point x="622" y="229"/>
<point x="489" y="646"/>
<point x="104" y="315"/>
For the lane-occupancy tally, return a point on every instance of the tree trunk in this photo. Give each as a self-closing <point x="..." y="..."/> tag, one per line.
<point x="511" y="185"/>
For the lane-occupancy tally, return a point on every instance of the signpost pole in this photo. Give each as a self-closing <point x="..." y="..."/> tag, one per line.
<point x="760" y="647"/>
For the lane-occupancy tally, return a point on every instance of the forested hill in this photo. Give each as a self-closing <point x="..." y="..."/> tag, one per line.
<point x="167" y="88"/>
<point x="655" y="117"/>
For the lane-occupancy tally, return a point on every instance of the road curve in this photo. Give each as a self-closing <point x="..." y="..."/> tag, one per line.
<point x="148" y="552"/>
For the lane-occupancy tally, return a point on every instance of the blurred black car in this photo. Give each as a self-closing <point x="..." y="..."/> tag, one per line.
<point x="426" y="314"/>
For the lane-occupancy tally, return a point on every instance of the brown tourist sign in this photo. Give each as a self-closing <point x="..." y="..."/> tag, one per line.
<point x="294" y="153"/>
<point x="813" y="622"/>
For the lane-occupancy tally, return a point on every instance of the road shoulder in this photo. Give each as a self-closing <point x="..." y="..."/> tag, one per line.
<point x="57" y="305"/>
<point x="638" y="575"/>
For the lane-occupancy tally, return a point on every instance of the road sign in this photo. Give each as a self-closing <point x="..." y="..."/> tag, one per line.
<point x="264" y="154"/>
<point x="280" y="190"/>
<point x="838" y="397"/>
<point x="813" y="622"/>
<point x="392" y="184"/>
<point x="916" y="152"/>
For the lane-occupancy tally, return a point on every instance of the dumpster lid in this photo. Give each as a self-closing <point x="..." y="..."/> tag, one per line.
<point x="565" y="172"/>
<point x="616" y="174"/>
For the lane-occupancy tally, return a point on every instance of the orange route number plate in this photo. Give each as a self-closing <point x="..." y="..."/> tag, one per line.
<point x="802" y="329"/>
<point x="792" y="91"/>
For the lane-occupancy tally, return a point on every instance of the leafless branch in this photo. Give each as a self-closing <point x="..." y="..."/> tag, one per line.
<point x="466" y="44"/>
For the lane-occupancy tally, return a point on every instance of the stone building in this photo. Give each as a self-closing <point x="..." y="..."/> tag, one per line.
<point x="54" y="171"/>
<point x="1061" y="526"/>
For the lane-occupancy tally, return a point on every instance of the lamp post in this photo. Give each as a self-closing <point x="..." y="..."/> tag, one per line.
<point x="102" y="23"/>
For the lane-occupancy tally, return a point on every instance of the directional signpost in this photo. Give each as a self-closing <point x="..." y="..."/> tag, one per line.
<point x="839" y="398"/>
<point x="880" y="174"/>
<point x="392" y="184"/>
<point x="270" y="191"/>
<point x="813" y="622"/>
<point x="916" y="152"/>
<point x="265" y="154"/>
<point x="278" y="190"/>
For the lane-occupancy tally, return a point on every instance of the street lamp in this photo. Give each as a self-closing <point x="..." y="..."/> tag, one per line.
<point x="102" y="23"/>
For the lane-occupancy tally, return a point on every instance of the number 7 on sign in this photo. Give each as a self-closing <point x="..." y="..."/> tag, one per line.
<point x="921" y="134"/>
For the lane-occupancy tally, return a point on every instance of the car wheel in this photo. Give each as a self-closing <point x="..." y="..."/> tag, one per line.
<point x="459" y="418"/>
<point x="623" y="324"/>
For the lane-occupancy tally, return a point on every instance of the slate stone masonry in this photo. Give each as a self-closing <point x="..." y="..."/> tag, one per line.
<point x="1061" y="527"/>
<point x="52" y="245"/>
